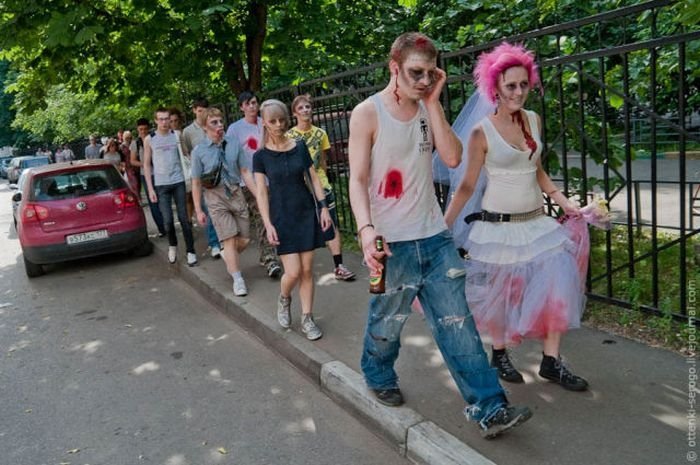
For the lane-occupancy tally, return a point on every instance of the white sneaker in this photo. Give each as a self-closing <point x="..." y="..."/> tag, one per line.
<point x="191" y="259"/>
<point x="172" y="254"/>
<point x="215" y="252"/>
<point x="239" y="288"/>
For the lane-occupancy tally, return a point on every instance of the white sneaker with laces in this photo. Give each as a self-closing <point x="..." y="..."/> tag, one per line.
<point x="215" y="252"/>
<point x="172" y="254"/>
<point x="191" y="259"/>
<point x="239" y="288"/>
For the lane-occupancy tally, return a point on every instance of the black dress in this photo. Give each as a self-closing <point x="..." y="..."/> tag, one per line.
<point x="292" y="208"/>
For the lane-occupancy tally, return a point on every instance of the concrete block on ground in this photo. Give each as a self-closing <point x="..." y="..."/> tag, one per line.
<point x="348" y="388"/>
<point x="429" y="444"/>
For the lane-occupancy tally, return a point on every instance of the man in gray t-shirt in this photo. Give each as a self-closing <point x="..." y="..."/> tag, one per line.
<point x="92" y="151"/>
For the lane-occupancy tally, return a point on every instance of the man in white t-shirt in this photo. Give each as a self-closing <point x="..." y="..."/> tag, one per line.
<point x="248" y="132"/>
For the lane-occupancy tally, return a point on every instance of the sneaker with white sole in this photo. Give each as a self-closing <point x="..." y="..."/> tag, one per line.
<point x="274" y="270"/>
<point x="343" y="274"/>
<point x="239" y="288"/>
<point x="309" y="328"/>
<point x="191" y="259"/>
<point x="215" y="252"/>
<point x="507" y="417"/>
<point x="284" y="313"/>
<point x="172" y="254"/>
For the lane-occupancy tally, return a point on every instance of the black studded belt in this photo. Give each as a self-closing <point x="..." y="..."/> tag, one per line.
<point x="504" y="217"/>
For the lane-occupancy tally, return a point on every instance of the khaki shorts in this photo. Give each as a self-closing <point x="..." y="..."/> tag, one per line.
<point x="228" y="215"/>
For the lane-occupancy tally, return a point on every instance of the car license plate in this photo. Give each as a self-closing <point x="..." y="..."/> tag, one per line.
<point x="87" y="237"/>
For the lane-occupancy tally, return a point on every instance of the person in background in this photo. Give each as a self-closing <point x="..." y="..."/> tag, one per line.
<point x="136" y="158"/>
<point x="192" y="135"/>
<point x="166" y="183"/>
<point x="248" y="131"/>
<point x="318" y="144"/>
<point x="92" y="151"/>
<point x="112" y="153"/>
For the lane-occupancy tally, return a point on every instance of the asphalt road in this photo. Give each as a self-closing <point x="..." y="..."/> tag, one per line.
<point x="113" y="361"/>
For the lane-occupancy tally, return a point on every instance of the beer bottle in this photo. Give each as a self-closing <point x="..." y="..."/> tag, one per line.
<point x="377" y="278"/>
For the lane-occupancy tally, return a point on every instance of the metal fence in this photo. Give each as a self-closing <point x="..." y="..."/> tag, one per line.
<point x="605" y="78"/>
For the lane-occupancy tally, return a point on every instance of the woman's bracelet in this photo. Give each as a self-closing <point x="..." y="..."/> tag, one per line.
<point x="368" y="225"/>
<point x="322" y="203"/>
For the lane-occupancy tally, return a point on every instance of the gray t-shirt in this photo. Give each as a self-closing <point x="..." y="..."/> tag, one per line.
<point x="166" y="159"/>
<point x="92" y="152"/>
<point x="192" y="135"/>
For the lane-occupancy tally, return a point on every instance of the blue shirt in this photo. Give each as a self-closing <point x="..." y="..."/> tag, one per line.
<point x="205" y="159"/>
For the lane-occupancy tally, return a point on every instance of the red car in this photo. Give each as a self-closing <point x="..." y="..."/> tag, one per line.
<point x="75" y="210"/>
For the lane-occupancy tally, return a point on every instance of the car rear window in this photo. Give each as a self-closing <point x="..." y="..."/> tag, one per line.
<point x="28" y="163"/>
<point x="71" y="184"/>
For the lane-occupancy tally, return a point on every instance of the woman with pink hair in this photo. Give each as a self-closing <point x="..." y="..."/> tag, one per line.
<point x="522" y="275"/>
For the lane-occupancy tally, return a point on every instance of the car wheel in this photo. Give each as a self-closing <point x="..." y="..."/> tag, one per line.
<point x="32" y="269"/>
<point x="144" y="249"/>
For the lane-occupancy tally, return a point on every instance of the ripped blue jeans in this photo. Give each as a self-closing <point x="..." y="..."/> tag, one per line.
<point x="432" y="270"/>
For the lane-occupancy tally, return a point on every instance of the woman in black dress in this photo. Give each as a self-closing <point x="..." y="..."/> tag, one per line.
<point x="289" y="211"/>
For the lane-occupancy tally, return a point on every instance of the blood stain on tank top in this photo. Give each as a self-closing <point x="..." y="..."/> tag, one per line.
<point x="392" y="186"/>
<point x="252" y="143"/>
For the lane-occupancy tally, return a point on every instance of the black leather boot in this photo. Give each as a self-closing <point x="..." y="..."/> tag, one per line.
<point x="506" y="370"/>
<point x="554" y="370"/>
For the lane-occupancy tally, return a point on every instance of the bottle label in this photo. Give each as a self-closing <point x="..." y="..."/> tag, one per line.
<point x="375" y="278"/>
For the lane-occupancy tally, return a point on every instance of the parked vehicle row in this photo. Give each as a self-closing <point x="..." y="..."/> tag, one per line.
<point x="19" y="164"/>
<point x="68" y="211"/>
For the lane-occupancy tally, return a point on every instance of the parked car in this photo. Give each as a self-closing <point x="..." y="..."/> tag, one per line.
<point x="4" y="164"/>
<point x="75" y="210"/>
<point x="15" y="203"/>
<point x="20" y="164"/>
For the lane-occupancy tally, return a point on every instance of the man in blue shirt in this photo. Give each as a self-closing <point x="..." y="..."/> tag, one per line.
<point x="223" y="194"/>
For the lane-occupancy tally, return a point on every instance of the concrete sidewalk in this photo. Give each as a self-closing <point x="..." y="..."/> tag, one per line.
<point x="635" y="412"/>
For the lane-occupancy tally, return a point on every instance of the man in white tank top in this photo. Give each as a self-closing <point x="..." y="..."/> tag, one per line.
<point x="161" y="153"/>
<point x="392" y="135"/>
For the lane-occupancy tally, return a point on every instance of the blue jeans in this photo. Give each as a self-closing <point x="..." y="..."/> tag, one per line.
<point x="166" y="194"/>
<point x="432" y="270"/>
<point x="212" y="238"/>
<point x="155" y="211"/>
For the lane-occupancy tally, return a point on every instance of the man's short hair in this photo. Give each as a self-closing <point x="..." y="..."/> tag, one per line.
<point x="162" y="110"/>
<point x="245" y="96"/>
<point x="200" y="102"/>
<point x="411" y="42"/>
<point x="142" y="122"/>
<point x="212" y="112"/>
<point x="175" y="111"/>
<point x="301" y="98"/>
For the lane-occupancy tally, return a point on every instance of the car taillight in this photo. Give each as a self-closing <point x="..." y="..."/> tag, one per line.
<point x="35" y="212"/>
<point x="125" y="199"/>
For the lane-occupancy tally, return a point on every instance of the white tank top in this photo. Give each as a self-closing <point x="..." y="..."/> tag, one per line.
<point x="401" y="192"/>
<point x="511" y="173"/>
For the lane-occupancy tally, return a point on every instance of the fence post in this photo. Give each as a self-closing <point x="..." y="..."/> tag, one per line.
<point x="637" y="207"/>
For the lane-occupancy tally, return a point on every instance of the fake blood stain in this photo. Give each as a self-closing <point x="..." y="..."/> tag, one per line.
<point x="252" y="143"/>
<point x="392" y="187"/>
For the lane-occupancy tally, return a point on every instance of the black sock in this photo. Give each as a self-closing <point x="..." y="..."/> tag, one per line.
<point x="338" y="259"/>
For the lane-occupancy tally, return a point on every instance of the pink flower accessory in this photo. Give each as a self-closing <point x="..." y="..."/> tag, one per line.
<point x="596" y="213"/>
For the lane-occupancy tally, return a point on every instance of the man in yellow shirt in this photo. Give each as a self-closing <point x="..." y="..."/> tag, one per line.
<point x="317" y="141"/>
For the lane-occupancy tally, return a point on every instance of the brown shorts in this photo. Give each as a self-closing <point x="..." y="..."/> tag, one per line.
<point x="229" y="214"/>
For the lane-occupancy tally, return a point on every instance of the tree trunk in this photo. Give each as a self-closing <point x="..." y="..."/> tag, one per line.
<point x="255" y="39"/>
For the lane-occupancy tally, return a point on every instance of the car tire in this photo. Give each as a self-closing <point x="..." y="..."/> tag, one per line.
<point x="144" y="249"/>
<point x="33" y="270"/>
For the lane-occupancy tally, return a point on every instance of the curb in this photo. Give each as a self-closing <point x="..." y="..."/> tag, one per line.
<point x="415" y="437"/>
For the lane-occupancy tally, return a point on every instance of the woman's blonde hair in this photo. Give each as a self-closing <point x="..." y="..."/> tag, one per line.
<point x="278" y="109"/>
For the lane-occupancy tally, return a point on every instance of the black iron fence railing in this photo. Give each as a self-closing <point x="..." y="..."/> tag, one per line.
<point x="620" y="118"/>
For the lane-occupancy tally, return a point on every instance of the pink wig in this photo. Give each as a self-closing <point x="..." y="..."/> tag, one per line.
<point x="491" y="65"/>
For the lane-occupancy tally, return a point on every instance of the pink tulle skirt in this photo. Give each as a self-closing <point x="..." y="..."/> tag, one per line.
<point x="525" y="280"/>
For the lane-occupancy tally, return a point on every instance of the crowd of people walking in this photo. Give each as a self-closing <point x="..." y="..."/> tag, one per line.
<point x="263" y="180"/>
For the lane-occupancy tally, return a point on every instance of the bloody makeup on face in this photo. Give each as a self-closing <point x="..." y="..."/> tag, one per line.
<point x="417" y="75"/>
